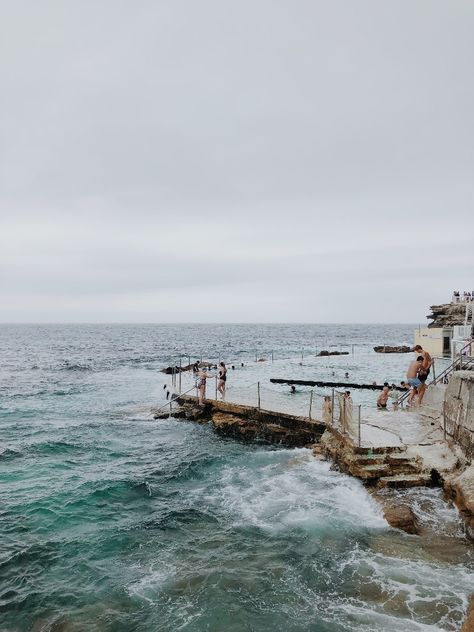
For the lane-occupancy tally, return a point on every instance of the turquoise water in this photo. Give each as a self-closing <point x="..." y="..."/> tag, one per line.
<point x="112" y="521"/>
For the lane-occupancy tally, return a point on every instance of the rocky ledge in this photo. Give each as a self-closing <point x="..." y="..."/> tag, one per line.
<point x="460" y="489"/>
<point x="381" y="469"/>
<point x="400" y="516"/>
<point x="447" y="314"/>
<point x="249" y="423"/>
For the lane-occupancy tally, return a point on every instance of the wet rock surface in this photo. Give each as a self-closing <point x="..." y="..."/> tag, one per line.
<point x="460" y="489"/>
<point x="257" y="430"/>
<point x="468" y="625"/>
<point x="249" y="423"/>
<point x="389" y="467"/>
<point x="401" y="516"/>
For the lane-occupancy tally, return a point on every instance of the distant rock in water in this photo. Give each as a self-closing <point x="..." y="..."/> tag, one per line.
<point x="331" y="353"/>
<point x="389" y="349"/>
<point x="169" y="370"/>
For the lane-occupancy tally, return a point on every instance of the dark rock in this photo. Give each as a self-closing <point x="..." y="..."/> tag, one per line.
<point x="161" y="414"/>
<point x="165" y="413"/>
<point x="401" y="517"/>
<point x="389" y="349"/>
<point x="323" y="354"/>
<point x="169" y="370"/>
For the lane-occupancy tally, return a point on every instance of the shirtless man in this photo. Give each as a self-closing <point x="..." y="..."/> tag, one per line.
<point x="383" y="397"/>
<point x="412" y="377"/>
<point x="425" y="371"/>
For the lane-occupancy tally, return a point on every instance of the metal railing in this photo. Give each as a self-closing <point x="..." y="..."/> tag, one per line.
<point x="342" y="415"/>
<point x="335" y="410"/>
<point x="172" y="401"/>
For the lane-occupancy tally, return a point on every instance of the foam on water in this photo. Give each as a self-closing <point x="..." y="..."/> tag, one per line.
<point x="287" y="489"/>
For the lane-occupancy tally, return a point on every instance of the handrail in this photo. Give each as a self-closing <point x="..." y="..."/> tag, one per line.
<point x="443" y="374"/>
<point x="453" y="364"/>
<point x="173" y="397"/>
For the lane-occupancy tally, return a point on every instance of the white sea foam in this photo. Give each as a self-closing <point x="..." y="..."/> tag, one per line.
<point x="290" y="488"/>
<point x="152" y="580"/>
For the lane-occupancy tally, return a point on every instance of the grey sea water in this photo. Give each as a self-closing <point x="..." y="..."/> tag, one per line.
<point x="112" y="521"/>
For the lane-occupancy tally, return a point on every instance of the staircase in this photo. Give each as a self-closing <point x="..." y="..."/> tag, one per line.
<point x="378" y="467"/>
<point x="388" y="469"/>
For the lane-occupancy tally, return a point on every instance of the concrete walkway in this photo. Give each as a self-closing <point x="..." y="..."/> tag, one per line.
<point x="415" y="431"/>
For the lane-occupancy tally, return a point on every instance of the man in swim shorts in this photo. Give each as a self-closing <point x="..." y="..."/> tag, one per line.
<point x="412" y="377"/>
<point x="425" y="370"/>
<point x="383" y="397"/>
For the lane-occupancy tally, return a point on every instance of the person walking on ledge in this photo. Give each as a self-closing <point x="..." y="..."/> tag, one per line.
<point x="222" y="378"/>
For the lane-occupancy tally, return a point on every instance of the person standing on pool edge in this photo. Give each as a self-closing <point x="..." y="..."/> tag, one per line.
<point x="425" y="370"/>
<point x="203" y="376"/>
<point x="221" y="379"/>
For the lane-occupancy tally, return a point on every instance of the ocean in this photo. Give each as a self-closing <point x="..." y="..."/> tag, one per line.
<point x="112" y="521"/>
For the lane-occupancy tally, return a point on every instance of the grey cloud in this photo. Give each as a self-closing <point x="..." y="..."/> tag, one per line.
<point x="304" y="143"/>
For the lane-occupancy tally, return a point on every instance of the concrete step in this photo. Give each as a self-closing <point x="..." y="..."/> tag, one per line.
<point x="368" y="459"/>
<point x="403" y="464"/>
<point x="369" y="472"/>
<point x="404" y="468"/>
<point x="405" y="480"/>
<point x="399" y="457"/>
<point x="378" y="450"/>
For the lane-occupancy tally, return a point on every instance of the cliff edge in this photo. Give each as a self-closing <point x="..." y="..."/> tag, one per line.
<point x="447" y="315"/>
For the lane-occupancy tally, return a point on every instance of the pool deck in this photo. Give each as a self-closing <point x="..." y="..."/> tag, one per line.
<point x="418" y="431"/>
<point x="415" y="435"/>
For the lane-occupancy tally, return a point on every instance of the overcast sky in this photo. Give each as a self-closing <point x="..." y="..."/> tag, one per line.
<point x="244" y="160"/>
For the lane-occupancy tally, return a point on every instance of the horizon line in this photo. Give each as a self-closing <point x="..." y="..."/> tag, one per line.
<point x="66" y="322"/>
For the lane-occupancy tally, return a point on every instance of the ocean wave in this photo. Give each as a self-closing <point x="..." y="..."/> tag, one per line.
<point x="53" y="447"/>
<point x="8" y="453"/>
<point x="290" y="489"/>
<point x="75" y="366"/>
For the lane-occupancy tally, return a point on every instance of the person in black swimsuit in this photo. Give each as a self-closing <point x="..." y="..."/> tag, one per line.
<point x="221" y="379"/>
